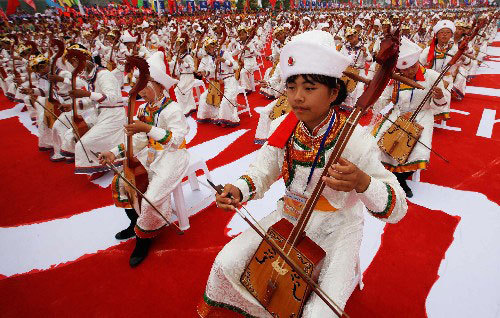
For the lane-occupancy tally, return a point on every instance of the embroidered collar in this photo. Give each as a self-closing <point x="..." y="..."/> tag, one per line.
<point x="151" y="112"/>
<point x="320" y="129"/>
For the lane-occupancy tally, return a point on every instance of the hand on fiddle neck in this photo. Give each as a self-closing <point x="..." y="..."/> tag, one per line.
<point x="346" y="176"/>
<point x="26" y="91"/>
<point x="137" y="127"/>
<point x="65" y="107"/>
<point x="55" y="78"/>
<point x="201" y="73"/>
<point x="229" y="199"/>
<point x="78" y="93"/>
<point x="106" y="157"/>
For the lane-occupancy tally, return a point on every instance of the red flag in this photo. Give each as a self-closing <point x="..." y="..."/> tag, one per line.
<point x="4" y="16"/>
<point x="31" y="3"/>
<point x="12" y="6"/>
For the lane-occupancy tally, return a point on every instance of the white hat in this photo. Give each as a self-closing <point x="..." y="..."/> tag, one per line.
<point x="322" y="25"/>
<point x="377" y="22"/>
<point x="359" y="23"/>
<point x="158" y="70"/>
<point x="444" y="24"/>
<point x="144" y="24"/>
<point x="127" y="37"/>
<point x="409" y="53"/>
<point x="312" y="52"/>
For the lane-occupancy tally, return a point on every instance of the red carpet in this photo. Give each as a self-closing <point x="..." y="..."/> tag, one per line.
<point x="167" y="284"/>
<point x="35" y="189"/>
<point x="405" y="267"/>
<point x="5" y="103"/>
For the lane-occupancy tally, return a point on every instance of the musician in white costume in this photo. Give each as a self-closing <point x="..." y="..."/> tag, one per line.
<point x="359" y="54"/>
<point x="406" y="100"/>
<point x="182" y="67"/>
<point x="226" y="114"/>
<point x="337" y="221"/>
<point x="107" y="131"/>
<point x="159" y="144"/>
<point x="246" y="50"/>
<point x="437" y="55"/>
<point x="62" y="126"/>
<point x="39" y="65"/>
<point x="274" y="109"/>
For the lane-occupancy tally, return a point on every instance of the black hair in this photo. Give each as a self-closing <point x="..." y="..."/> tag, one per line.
<point x="97" y="60"/>
<point x="329" y="81"/>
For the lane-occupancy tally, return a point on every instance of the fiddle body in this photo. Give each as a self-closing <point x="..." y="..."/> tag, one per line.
<point x="281" y="108"/>
<point x="293" y="290"/>
<point x="214" y="96"/>
<point x="350" y="83"/>
<point x="398" y="143"/>
<point x="51" y="104"/>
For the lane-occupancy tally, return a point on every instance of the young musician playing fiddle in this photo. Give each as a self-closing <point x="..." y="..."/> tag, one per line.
<point x="405" y="101"/>
<point x="297" y="149"/>
<point x="159" y="144"/>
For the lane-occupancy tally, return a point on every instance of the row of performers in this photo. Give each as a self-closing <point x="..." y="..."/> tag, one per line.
<point x="297" y="147"/>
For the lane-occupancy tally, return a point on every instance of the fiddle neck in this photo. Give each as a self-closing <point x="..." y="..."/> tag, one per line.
<point x="73" y="87"/>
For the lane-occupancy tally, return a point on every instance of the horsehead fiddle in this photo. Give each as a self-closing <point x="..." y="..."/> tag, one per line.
<point x="252" y="34"/>
<point x="51" y="103"/>
<point x="273" y="275"/>
<point x="216" y="87"/>
<point x="33" y="49"/>
<point x="79" y="123"/>
<point x="133" y="169"/>
<point x="111" y="65"/>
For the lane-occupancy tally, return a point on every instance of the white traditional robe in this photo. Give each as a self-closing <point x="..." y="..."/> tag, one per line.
<point x="338" y="231"/>
<point x="184" y="69"/>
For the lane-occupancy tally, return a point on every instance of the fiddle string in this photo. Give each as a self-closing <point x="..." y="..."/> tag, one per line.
<point x="315" y="195"/>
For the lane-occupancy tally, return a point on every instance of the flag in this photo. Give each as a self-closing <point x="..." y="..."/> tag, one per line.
<point x="140" y="3"/>
<point x="51" y="3"/>
<point x="31" y="3"/>
<point x="4" y="16"/>
<point x="12" y="6"/>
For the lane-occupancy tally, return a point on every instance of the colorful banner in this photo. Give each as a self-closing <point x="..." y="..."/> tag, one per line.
<point x="51" y="3"/>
